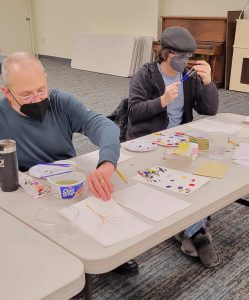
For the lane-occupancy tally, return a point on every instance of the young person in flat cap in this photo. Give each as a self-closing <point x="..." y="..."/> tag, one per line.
<point x="159" y="98"/>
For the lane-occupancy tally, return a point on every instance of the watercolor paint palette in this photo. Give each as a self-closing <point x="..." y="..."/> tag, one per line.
<point x="172" y="140"/>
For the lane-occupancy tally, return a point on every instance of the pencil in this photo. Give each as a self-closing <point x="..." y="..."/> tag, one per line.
<point x="232" y="142"/>
<point x="121" y="175"/>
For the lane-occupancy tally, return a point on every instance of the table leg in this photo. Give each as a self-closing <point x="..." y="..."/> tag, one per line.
<point x="243" y="202"/>
<point x="88" y="287"/>
<point x="86" y="292"/>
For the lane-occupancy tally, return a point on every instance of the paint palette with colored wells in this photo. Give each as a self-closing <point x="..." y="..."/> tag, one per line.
<point x="171" y="180"/>
<point x="171" y="140"/>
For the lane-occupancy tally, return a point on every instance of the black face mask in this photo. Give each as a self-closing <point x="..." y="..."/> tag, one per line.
<point x="36" y="111"/>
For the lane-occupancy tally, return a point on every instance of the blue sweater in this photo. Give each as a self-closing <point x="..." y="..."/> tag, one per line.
<point x="52" y="139"/>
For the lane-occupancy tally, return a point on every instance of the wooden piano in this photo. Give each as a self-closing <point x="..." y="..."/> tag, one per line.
<point x="210" y="36"/>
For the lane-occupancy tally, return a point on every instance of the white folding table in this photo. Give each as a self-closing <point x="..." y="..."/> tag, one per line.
<point x="33" y="267"/>
<point x="97" y="259"/>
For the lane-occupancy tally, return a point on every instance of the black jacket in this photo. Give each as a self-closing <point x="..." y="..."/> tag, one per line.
<point x="120" y="117"/>
<point x="146" y="114"/>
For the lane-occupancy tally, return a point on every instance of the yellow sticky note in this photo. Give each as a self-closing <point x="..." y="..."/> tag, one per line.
<point x="202" y="142"/>
<point x="183" y="148"/>
<point x="211" y="169"/>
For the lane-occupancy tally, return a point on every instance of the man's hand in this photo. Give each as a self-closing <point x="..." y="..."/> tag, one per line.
<point x="204" y="71"/>
<point x="170" y="94"/>
<point x="99" y="181"/>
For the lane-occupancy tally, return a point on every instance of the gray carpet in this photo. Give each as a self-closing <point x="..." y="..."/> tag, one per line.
<point x="164" y="272"/>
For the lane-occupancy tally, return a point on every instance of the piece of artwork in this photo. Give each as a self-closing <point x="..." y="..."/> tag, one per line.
<point x="105" y="221"/>
<point x="140" y="146"/>
<point x="171" y="180"/>
<point x="172" y="140"/>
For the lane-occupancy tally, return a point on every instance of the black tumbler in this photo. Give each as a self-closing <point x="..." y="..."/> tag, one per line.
<point x="8" y="166"/>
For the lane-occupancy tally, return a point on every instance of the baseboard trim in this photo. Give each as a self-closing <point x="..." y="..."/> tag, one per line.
<point x="62" y="59"/>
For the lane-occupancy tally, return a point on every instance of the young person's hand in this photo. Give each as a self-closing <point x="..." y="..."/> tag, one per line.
<point x="170" y="94"/>
<point x="203" y="69"/>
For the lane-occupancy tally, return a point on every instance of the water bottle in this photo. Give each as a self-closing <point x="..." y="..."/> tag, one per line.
<point x="8" y="166"/>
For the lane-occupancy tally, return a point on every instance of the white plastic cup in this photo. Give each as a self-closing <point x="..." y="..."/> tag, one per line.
<point x="217" y="145"/>
<point x="68" y="186"/>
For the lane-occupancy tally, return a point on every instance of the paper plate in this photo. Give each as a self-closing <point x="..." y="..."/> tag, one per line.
<point x="140" y="146"/>
<point x="46" y="170"/>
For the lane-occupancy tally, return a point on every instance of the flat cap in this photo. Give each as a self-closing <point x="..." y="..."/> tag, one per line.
<point x="178" y="38"/>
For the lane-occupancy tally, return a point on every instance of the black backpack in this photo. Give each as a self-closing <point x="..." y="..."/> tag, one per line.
<point x="120" y="117"/>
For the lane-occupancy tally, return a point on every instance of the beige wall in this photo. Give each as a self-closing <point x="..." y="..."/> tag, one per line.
<point x="217" y="8"/>
<point x="57" y="20"/>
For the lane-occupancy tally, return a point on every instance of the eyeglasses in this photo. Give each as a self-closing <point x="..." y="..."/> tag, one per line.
<point x="182" y="54"/>
<point x="30" y="98"/>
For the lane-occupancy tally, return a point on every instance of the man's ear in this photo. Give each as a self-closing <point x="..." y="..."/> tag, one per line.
<point x="5" y="91"/>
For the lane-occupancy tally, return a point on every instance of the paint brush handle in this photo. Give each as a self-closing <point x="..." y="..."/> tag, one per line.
<point x="55" y="165"/>
<point x="59" y="173"/>
<point x="190" y="73"/>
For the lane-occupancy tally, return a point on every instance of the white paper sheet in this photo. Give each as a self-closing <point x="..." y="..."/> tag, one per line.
<point x="242" y="162"/>
<point x="244" y="133"/>
<point x="247" y="120"/>
<point x="105" y="221"/>
<point x="90" y="160"/>
<point x="242" y="152"/>
<point x="149" y="202"/>
<point x="211" y="126"/>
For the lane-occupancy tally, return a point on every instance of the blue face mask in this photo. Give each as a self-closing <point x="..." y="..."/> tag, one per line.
<point x="178" y="63"/>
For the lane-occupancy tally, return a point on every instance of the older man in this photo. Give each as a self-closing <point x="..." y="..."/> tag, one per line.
<point x="42" y="122"/>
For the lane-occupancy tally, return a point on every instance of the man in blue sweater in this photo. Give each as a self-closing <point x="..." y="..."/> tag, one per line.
<point x="42" y="122"/>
